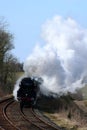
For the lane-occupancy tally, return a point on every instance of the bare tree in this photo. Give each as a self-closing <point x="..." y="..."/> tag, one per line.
<point x="5" y="47"/>
<point x="8" y="62"/>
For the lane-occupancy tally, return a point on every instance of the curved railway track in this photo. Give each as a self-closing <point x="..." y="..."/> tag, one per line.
<point x="5" y="123"/>
<point x="38" y="121"/>
<point x="12" y="118"/>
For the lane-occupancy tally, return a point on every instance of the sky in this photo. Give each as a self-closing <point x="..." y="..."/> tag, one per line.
<point x="26" y="17"/>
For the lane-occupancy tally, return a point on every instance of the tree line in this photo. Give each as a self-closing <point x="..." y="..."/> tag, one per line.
<point x="9" y="64"/>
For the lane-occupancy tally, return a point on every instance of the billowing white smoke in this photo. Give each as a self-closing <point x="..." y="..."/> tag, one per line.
<point x="16" y="88"/>
<point x="62" y="61"/>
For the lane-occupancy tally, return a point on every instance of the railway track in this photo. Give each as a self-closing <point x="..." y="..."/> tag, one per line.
<point x="38" y="121"/>
<point x="5" y="123"/>
<point x="12" y="118"/>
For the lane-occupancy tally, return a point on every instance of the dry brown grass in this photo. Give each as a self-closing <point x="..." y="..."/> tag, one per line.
<point x="61" y="120"/>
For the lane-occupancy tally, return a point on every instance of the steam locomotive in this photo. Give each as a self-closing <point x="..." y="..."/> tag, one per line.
<point x="28" y="90"/>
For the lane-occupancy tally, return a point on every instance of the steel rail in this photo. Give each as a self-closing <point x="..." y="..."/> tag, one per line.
<point x="6" y="116"/>
<point x="29" y="120"/>
<point x="3" y="100"/>
<point x="38" y="121"/>
<point x="44" y="121"/>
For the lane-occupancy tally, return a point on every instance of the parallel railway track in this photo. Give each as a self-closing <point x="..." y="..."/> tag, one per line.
<point x="12" y="118"/>
<point x="38" y="121"/>
<point x="5" y="123"/>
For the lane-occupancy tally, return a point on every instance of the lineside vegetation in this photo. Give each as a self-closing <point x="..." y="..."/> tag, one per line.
<point x="9" y="64"/>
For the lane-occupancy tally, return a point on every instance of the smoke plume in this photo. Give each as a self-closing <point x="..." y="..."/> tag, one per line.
<point x="62" y="61"/>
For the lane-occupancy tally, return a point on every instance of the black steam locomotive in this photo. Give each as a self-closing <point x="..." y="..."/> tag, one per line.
<point x="27" y="93"/>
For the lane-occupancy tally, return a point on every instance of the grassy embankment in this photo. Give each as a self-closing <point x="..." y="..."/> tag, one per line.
<point x="19" y="74"/>
<point x="5" y="91"/>
<point x="84" y="91"/>
<point x="61" y="120"/>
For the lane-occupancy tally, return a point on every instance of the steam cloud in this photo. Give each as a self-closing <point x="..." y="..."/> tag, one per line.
<point x="62" y="60"/>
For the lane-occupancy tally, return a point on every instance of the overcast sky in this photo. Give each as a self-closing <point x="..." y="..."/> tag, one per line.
<point x="26" y="17"/>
